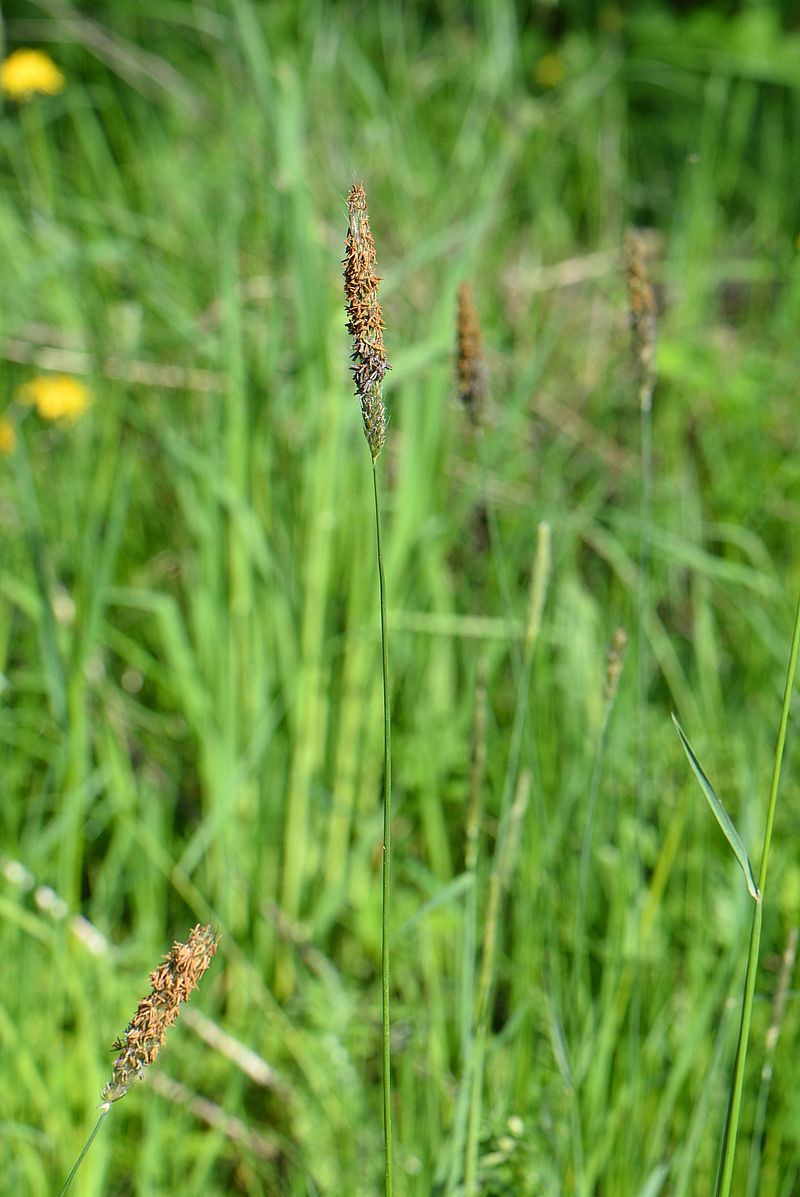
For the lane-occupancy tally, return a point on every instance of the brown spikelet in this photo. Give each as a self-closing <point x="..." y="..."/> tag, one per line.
<point x="642" y="306"/>
<point x="615" y="659"/>
<point x="470" y="363"/>
<point x="365" y="319"/>
<point x="172" y="982"/>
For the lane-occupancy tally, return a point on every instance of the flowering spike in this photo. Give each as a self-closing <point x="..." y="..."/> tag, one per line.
<point x="471" y="364"/>
<point x="365" y="319"/>
<point x="642" y="309"/>
<point x="172" y="982"/>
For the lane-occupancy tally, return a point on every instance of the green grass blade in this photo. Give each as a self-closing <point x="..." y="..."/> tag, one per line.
<point x="720" y="814"/>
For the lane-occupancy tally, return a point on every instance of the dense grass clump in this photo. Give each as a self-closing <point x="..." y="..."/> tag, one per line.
<point x="191" y="714"/>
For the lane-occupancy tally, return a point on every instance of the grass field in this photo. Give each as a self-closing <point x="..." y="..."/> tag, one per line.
<point x="191" y="718"/>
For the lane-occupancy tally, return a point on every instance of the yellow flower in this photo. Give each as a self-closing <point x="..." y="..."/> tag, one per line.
<point x="8" y="436"/>
<point x="26" y="72"/>
<point x="56" y="396"/>
<point x="549" y="71"/>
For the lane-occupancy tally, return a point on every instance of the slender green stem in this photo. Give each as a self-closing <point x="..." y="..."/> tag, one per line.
<point x="635" y="871"/>
<point x="646" y="515"/>
<point x="539" y="583"/>
<point x="470" y="936"/>
<point x="106" y="1106"/>
<point x="725" y="1175"/>
<point x="779" y="747"/>
<point x="586" y="850"/>
<point x="771" y="1044"/>
<point x="387" y="856"/>
<point x="496" y="546"/>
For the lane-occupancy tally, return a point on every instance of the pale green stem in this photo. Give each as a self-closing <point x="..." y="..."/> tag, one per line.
<point x="539" y="583"/>
<point x="642" y="789"/>
<point x="725" y="1174"/>
<point x="387" y="855"/>
<point x="106" y="1106"/>
<point x="495" y="546"/>
<point x="470" y="938"/>
<point x="771" y="1044"/>
<point x="586" y="850"/>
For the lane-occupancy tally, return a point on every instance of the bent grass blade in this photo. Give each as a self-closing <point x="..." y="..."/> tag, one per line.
<point x="720" y="814"/>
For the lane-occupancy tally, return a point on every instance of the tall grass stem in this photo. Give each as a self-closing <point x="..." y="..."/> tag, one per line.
<point x="470" y="937"/>
<point x="499" y="868"/>
<point x="778" y="1010"/>
<point x="615" y="663"/>
<point x="386" y="1031"/>
<point x="105" y="1107"/>
<point x="728" y="1155"/>
<point x="496" y="546"/>
<point x="642" y="309"/>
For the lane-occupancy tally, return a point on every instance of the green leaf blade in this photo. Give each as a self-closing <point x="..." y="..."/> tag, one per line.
<point x="720" y="814"/>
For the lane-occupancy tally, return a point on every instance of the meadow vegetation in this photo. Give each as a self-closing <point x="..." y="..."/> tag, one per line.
<point x="191" y="716"/>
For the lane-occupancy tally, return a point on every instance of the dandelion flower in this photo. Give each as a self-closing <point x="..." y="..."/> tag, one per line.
<point x="26" y="72"/>
<point x="8" y="436"/>
<point x="172" y="983"/>
<point x="56" y="396"/>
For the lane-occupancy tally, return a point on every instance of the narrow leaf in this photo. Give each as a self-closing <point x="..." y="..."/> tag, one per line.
<point x="720" y="814"/>
<point x="448" y="893"/>
<point x="655" y="1181"/>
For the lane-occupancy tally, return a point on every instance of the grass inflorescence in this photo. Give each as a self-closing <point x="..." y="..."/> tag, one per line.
<point x="365" y="319"/>
<point x="369" y="365"/>
<point x="171" y="984"/>
<point x="470" y="360"/>
<point x="190" y="696"/>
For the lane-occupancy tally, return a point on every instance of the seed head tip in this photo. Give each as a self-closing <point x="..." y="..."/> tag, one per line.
<point x="172" y="983"/>
<point x="470" y="361"/>
<point x="365" y="319"/>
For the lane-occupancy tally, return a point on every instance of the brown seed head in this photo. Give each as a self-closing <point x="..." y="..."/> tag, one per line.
<point x="172" y="982"/>
<point x="615" y="659"/>
<point x="642" y="306"/>
<point x="365" y="319"/>
<point x="471" y="364"/>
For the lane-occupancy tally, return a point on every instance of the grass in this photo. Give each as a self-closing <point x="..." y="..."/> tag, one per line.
<point x="190" y="723"/>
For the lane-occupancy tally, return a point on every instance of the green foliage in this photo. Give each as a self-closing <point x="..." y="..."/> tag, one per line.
<point x="720" y="814"/>
<point x="191" y="708"/>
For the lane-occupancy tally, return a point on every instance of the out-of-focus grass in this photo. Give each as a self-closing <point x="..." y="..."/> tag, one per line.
<point x="191" y="714"/>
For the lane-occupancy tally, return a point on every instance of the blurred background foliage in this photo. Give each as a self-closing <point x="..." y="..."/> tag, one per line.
<point x="190" y="718"/>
